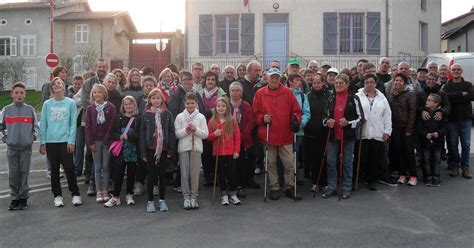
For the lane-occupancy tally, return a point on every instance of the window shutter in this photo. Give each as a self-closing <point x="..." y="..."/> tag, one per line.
<point x="330" y="33"/>
<point x="205" y="35"/>
<point x="373" y="33"/>
<point x="247" y="34"/>
<point x="12" y="46"/>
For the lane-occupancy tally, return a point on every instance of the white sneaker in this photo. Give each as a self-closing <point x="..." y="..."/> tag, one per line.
<point x="58" y="201"/>
<point x="76" y="200"/>
<point x="156" y="190"/>
<point x="138" y="190"/>
<point x="257" y="171"/>
<point x="106" y="195"/>
<point x="314" y="188"/>
<point x="112" y="202"/>
<point x="225" y="200"/>
<point x="412" y="181"/>
<point x="99" y="198"/>
<point x="234" y="200"/>
<point x="129" y="199"/>
<point x="194" y="204"/>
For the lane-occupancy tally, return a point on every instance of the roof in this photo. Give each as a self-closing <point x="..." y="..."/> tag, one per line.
<point x="98" y="15"/>
<point x="455" y="31"/>
<point x="459" y="17"/>
<point x="43" y="4"/>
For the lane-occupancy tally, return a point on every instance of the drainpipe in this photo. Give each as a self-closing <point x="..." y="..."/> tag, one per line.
<point x="387" y="24"/>
<point x="186" y="27"/>
<point x="101" y="38"/>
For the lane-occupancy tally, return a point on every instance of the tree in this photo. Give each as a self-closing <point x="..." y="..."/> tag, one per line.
<point x="67" y="61"/>
<point x="88" y="57"/>
<point x="11" y="70"/>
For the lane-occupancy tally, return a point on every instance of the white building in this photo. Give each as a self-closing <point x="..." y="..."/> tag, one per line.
<point x="339" y="31"/>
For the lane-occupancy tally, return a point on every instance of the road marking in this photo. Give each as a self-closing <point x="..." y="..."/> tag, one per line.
<point x="37" y="190"/>
<point x="31" y="171"/>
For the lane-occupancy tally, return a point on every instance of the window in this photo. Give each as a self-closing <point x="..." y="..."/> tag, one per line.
<point x="423" y="5"/>
<point x="423" y="37"/>
<point x="227" y="34"/>
<point x="28" y="21"/>
<point x="82" y="33"/>
<point x="7" y="46"/>
<point x="28" y="45"/>
<point x="351" y="30"/>
<point x="3" y="22"/>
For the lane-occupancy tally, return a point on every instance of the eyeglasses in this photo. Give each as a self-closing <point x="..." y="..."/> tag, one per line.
<point x="456" y="69"/>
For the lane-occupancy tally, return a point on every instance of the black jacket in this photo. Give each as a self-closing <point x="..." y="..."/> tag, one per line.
<point x="176" y="102"/>
<point x="350" y="113"/>
<point x="147" y="132"/>
<point x="431" y="126"/>
<point x="318" y="101"/>
<point x="133" y="134"/>
<point x="249" y="90"/>
<point x="423" y="95"/>
<point x="460" y="105"/>
<point x="224" y="84"/>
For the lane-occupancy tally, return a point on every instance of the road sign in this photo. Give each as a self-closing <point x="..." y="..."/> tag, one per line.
<point x="52" y="60"/>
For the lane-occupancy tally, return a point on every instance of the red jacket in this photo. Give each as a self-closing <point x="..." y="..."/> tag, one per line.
<point x="281" y="103"/>
<point x="246" y="124"/>
<point x="228" y="145"/>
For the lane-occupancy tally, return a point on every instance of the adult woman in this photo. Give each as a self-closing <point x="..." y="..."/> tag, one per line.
<point x="342" y="117"/>
<point x="166" y="82"/>
<point x="133" y="87"/>
<point x="110" y="83"/>
<point x="59" y="72"/>
<point x="315" y="132"/>
<point x="209" y="94"/>
<point x="376" y="128"/>
<point x="242" y="112"/>
<point x="121" y="79"/>
<point x="241" y="71"/>
<point x="308" y="77"/>
<point x="403" y="105"/>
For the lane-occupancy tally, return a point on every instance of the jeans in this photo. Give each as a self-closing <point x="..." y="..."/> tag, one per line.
<point x="332" y="158"/>
<point x="432" y="161"/>
<point x="102" y="165"/>
<point x="79" y="152"/>
<point x="459" y="130"/>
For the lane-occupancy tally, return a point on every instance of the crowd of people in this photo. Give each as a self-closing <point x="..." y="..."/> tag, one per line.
<point x="336" y="127"/>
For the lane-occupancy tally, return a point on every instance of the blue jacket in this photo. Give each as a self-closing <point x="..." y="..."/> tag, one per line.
<point x="304" y="105"/>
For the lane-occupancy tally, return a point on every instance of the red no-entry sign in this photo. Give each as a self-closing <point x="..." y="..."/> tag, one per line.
<point x="52" y="60"/>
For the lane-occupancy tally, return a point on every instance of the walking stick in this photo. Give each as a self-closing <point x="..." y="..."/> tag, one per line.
<point x="215" y="173"/>
<point x="192" y="158"/>
<point x="294" y="162"/>
<point x="266" y="165"/>
<point x="322" y="164"/>
<point x="341" y="155"/>
<point x="358" y="160"/>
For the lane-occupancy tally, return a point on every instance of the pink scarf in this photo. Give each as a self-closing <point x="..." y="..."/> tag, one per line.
<point x="158" y="133"/>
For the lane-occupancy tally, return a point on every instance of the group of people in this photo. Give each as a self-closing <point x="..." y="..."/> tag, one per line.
<point x="362" y="124"/>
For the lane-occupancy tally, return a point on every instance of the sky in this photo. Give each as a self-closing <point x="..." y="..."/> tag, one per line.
<point x="170" y="13"/>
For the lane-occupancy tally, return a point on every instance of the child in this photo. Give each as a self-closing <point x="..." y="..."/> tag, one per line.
<point x="432" y="132"/>
<point x="157" y="145"/>
<point x="99" y="118"/>
<point x="76" y="86"/>
<point x="19" y="120"/>
<point x="190" y="128"/>
<point x="225" y="137"/>
<point x="57" y="138"/>
<point x="128" y="156"/>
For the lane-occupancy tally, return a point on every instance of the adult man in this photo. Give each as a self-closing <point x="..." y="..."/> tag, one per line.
<point x="294" y="68"/>
<point x="443" y="74"/>
<point x="176" y="99"/>
<point x="196" y="69"/>
<point x="460" y="95"/>
<point x="251" y="79"/>
<point x="229" y="77"/>
<point x="412" y="85"/>
<point x="358" y="79"/>
<point x="276" y="106"/>
<point x="421" y="77"/>
<point x="313" y="65"/>
<point x="275" y="64"/>
<point x="432" y="67"/>
<point x="393" y="71"/>
<point x="216" y="69"/>
<point x="383" y="73"/>
<point x="325" y="66"/>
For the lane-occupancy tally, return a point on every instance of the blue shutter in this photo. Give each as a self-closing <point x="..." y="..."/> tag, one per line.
<point x="205" y="35"/>
<point x="247" y="34"/>
<point x="373" y="33"/>
<point x="330" y="33"/>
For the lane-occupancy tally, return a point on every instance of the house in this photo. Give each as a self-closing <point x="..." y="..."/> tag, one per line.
<point x="338" y="31"/>
<point x="458" y="33"/>
<point x="25" y="33"/>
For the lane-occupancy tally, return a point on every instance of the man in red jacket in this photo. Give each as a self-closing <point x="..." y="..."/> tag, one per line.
<point x="277" y="106"/>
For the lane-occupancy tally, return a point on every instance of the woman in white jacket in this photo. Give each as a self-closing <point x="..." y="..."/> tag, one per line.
<point x="376" y="128"/>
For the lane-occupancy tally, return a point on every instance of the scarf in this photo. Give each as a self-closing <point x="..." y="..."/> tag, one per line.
<point x="208" y="94"/>
<point x="158" y="132"/>
<point x="237" y="112"/>
<point x="190" y="116"/>
<point x="168" y="88"/>
<point x="100" y="112"/>
<point x="184" y="88"/>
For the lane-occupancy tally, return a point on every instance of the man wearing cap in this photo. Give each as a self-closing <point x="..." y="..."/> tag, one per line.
<point x="294" y="68"/>
<point x="331" y="77"/>
<point x="277" y="106"/>
<point x="325" y="66"/>
<point x="421" y="77"/>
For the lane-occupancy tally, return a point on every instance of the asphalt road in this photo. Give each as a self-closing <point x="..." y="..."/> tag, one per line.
<point x="399" y="216"/>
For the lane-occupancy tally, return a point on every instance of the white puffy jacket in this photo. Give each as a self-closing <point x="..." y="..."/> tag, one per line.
<point x="378" y="118"/>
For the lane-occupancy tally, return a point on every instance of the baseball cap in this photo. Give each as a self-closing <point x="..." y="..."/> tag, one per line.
<point x="333" y="70"/>
<point x="422" y="69"/>
<point x="273" y="71"/>
<point x="325" y="63"/>
<point x="294" y="61"/>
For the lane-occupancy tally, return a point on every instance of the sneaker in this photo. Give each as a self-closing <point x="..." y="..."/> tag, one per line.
<point x="112" y="202"/>
<point x="14" y="205"/>
<point x="187" y="204"/>
<point x="106" y="195"/>
<point x="58" y="201"/>
<point x="76" y="200"/>
<point x="402" y="179"/>
<point x="178" y="189"/>
<point x="314" y="188"/>
<point x="257" y="171"/>
<point x="328" y="193"/>
<point x="234" y="199"/>
<point x="428" y="181"/>
<point x="241" y="193"/>
<point x="156" y="190"/>
<point x="91" y="191"/>
<point x="454" y="171"/>
<point x="389" y="182"/>
<point x="435" y="182"/>
<point x="48" y="175"/>
<point x="23" y="204"/>
<point x="99" y="198"/>
<point x="345" y="194"/>
<point x="412" y="181"/>
<point x="373" y="186"/>
<point x="150" y="207"/>
<point x="163" y="206"/>
<point x="274" y="195"/>
<point x="466" y="173"/>
<point x="61" y="170"/>
<point x="194" y="204"/>
<point x="138" y="190"/>
<point x="129" y="199"/>
<point x="225" y="200"/>
<point x="290" y="193"/>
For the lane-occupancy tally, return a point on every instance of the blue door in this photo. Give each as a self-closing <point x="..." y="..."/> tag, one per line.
<point x="276" y="43"/>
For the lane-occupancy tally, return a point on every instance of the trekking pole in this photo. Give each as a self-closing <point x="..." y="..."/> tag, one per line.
<point x="358" y="160"/>
<point x="192" y="157"/>
<point x="322" y="163"/>
<point x="266" y="165"/>
<point x="215" y="173"/>
<point x="341" y="155"/>
<point x="294" y="162"/>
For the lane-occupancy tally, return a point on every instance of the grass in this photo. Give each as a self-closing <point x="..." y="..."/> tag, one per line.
<point x="33" y="98"/>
